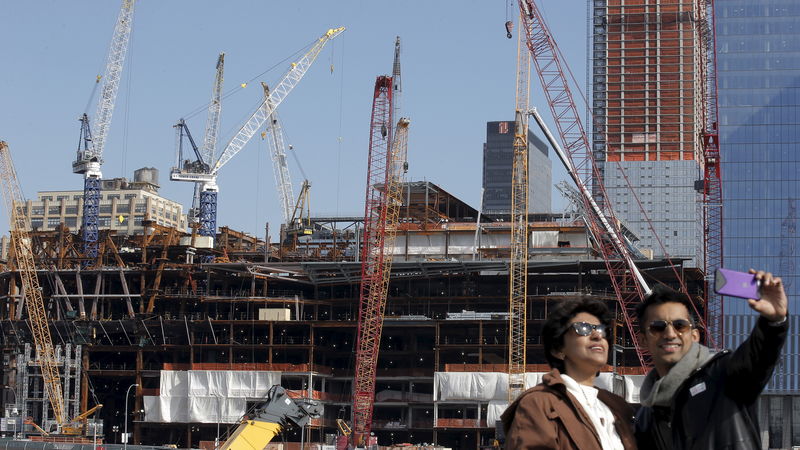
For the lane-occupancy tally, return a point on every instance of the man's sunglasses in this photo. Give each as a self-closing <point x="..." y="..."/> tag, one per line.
<point x="585" y="329"/>
<point x="659" y="326"/>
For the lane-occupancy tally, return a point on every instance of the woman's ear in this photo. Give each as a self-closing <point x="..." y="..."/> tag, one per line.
<point x="558" y="354"/>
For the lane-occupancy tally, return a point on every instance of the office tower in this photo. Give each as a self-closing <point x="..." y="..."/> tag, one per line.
<point x="498" y="156"/>
<point x="758" y="60"/>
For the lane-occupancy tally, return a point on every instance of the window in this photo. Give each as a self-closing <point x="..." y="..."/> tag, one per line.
<point x="47" y="197"/>
<point x="140" y="207"/>
<point x="37" y="211"/>
<point x="129" y="196"/>
<point x="71" y="210"/>
<point x="54" y="210"/>
<point x="62" y="197"/>
<point x="77" y="197"/>
<point x="103" y="221"/>
<point x="123" y="208"/>
<point x="137" y="220"/>
<point x="105" y="209"/>
<point x="71" y="222"/>
<point x="36" y="223"/>
<point x="112" y="196"/>
<point x="53" y="222"/>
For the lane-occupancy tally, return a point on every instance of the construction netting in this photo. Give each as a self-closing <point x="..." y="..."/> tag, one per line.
<point x="207" y="396"/>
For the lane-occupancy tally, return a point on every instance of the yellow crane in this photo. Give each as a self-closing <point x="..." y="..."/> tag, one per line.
<point x="37" y="316"/>
<point x="518" y="272"/>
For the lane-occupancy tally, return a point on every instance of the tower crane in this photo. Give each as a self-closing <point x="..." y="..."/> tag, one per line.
<point x="91" y="144"/>
<point x="34" y="301"/>
<point x="208" y="180"/>
<point x="518" y="272"/>
<point x="628" y="284"/>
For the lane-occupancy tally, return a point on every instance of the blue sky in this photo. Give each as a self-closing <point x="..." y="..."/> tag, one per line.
<point x="458" y="73"/>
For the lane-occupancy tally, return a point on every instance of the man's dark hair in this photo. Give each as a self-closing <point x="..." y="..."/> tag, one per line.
<point x="662" y="294"/>
<point x="559" y="320"/>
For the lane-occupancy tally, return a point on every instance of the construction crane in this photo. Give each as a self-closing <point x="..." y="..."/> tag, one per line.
<point x="208" y="180"/>
<point x="712" y="175"/>
<point x="91" y="144"/>
<point x="518" y="272"/>
<point x="212" y="132"/>
<point x="387" y="166"/>
<point x="628" y="284"/>
<point x="280" y="168"/>
<point x="32" y="295"/>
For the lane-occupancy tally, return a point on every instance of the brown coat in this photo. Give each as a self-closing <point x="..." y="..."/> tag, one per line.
<point x="548" y="417"/>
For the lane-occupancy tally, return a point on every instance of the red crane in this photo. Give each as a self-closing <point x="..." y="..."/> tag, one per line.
<point x="576" y="146"/>
<point x="712" y="175"/>
<point x="373" y="259"/>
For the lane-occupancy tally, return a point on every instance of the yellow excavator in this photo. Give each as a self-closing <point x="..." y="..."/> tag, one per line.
<point x="267" y="419"/>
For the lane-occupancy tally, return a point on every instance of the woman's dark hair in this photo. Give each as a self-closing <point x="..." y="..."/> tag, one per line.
<point x="559" y="319"/>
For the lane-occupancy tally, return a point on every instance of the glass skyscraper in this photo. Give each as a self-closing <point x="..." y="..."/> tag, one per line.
<point x="758" y="61"/>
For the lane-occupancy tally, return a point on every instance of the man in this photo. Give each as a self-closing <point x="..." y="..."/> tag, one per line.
<point x="693" y="399"/>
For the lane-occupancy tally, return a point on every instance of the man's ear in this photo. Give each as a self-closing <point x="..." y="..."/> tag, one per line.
<point x="695" y="335"/>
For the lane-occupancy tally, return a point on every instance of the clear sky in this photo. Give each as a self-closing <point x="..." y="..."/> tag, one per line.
<point x="458" y="73"/>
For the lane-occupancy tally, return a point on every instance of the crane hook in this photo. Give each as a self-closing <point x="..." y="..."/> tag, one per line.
<point x="509" y="28"/>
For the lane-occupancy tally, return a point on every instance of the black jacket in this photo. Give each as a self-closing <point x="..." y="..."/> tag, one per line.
<point x="715" y="407"/>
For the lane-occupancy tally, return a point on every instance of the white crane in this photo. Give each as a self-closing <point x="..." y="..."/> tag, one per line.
<point x="91" y="145"/>
<point x="208" y="180"/>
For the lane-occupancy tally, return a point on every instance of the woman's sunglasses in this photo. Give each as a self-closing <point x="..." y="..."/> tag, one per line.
<point x="659" y="326"/>
<point x="585" y="329"/>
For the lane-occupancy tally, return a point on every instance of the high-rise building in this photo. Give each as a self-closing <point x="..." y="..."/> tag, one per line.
<point x="758" y="61"/>
<point x="647" y="124"/>
<point x="498" y="158"/>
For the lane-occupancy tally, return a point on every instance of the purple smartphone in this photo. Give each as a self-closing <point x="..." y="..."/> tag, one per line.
<point x="736" y="284"/>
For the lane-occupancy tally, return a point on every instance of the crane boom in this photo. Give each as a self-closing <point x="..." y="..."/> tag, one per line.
<point x="90" y="157"/>
<point x="518" y="272"/>
<point x="627" y="284"/>
<point x="37" y="315"/>
<point x="278" y="94"/>
<point x="214" y="113"/>
<point x="280" y="168"/>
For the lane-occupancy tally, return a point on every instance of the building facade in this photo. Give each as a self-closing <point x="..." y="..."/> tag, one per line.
<point x="123" y="206"/>
<point x="647" y="123"/>
<point x="758" y="61"/>
<point x="498" y="157"/>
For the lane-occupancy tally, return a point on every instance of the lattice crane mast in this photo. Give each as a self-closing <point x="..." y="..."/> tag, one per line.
<point x="205" y="155"/>
<point x="280" y="167"/>
<point x="628" y="285"/>
<point x="91" y="144"/>
<point x="23" y="253"/>
<point x="34" y="301"/>
<point x="386" y="169"/>
<point x="208" y="180"/>
<point x="629" y="288"/>
<point x="518" y="272"/>
<point x="712" y="175"/>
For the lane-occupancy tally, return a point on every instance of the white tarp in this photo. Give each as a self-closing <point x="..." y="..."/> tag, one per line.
<point x="544" y="239"/>
<point x="207" y="396"/>
<point x="494" y="410"/>
<point x="493" y="386"/>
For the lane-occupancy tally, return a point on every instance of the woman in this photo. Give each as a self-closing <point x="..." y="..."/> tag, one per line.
<point x="566" y="411"/>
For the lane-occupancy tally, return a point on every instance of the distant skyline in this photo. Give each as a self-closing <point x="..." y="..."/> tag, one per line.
<point x="458" y="74"/>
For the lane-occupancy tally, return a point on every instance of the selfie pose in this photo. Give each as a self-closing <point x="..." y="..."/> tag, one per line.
<point x="693" y="399"/>
<point x="566" y="411"/>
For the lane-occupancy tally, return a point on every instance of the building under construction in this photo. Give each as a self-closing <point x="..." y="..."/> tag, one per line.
<point x="195" y="344"/>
